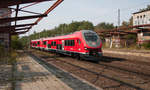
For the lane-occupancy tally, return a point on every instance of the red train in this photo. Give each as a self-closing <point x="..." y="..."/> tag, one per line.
<point x="84" y="44"/>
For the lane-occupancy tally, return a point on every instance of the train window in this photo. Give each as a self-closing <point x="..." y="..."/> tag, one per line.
<point x="53" y="43"/>
<point x="49" y="45"/>
<point x="34" y="44"/>
<point x="90" y="36"/>
<point x="72" y="43"/>
<point x="69" y="42"/>
<point x="38" y="42"/>
<point x="44" y="42"/>
<point x="78" y="41"/>
<point x="66" y="42"/>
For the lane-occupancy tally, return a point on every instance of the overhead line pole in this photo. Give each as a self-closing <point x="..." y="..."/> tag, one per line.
<point x="118" y="18"/>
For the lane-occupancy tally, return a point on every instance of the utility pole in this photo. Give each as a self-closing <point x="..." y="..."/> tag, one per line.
<point x="118" y="40"/>
<point x="118" y="17"/>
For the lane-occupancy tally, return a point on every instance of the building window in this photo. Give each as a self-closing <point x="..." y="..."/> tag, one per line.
<point x="142" y="21"/>
<point x="140" y="16"/>
<point x="137" y="17"/>
<point x="138" y="22"/>
<point x="135" y="22"/>
<point x="144" y="16"/>
<point x="146" y="34"/>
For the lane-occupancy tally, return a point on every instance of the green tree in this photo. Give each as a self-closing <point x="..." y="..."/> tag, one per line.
<point x="61" y="29"/>
<point x="144" y="9"/>
<point x="104" y="26"/>
<point x="86" y="25"/>
<point x="131" y="21"/>
<point x="125" y="24"/>
<point x="15" y="43"/>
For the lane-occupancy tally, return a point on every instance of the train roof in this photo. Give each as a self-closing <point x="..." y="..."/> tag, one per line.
<point x="37" y="39"/>
<point x="73" y="35"/>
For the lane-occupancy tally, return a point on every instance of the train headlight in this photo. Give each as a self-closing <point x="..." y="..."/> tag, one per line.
<point x="85" y="48"/>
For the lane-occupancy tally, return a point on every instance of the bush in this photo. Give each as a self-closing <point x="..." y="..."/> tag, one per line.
<point x="146" y="45"/>
<point x="16" y="43"/>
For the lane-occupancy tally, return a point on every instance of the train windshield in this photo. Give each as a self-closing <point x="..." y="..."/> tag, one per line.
<point x="89" y="36"/>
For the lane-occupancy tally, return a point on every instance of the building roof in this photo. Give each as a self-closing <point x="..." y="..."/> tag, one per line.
<point x="6" y="3"/>
<point x="142" y="11"/>
<point x="24" y="27"/>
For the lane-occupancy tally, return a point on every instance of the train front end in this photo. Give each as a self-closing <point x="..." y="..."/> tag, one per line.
<point x="92" y="45"/>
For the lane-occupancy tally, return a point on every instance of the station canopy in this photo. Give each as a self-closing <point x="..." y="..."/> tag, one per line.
<point x="23" y="28"/>
<point x="125" y="30"/>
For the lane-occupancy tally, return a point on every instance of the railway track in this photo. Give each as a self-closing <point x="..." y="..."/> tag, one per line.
<point x="127" y="58"/>
<point x="99" y="74"/>
<point x="75" y="66"/>
<point x="127" y="70"/>
<point x="104" y="73"/>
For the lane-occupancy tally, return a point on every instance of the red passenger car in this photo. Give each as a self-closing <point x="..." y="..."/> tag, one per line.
<point x="85" y="44"/>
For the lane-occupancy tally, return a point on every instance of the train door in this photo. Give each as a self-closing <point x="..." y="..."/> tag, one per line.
<point x="63" y="44"/>
<point x="78" y="45"/>
<point x="46" y="45"/>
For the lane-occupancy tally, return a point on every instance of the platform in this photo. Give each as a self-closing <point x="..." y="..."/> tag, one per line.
<point x="30" y="75"/>
<point x="5" y="76"/>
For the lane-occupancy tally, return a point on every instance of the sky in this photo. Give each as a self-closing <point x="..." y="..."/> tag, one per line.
<point x="95" y="11"/>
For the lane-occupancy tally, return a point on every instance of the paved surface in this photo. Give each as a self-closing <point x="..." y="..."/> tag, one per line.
<point x="128" y="52"/>
<point x="30" y="75"/>
<point x="5" y="77"/>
